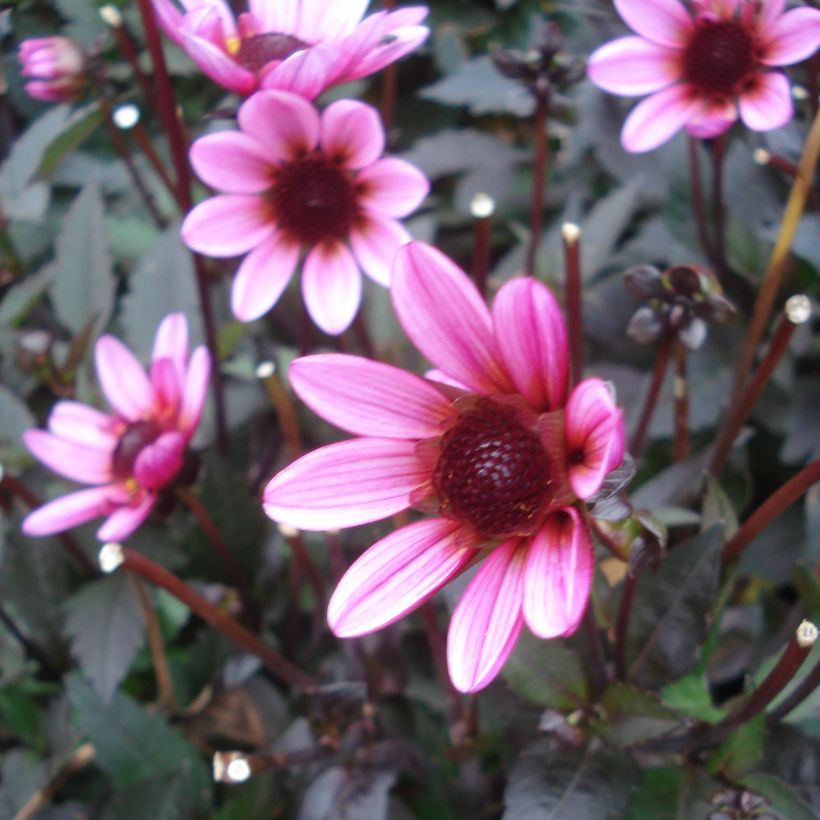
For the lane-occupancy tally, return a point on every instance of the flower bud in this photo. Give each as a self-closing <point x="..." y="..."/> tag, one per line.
<point x="56" y="67"/>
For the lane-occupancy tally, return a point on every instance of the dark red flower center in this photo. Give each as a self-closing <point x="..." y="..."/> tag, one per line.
<point x="315" y="199"/>
<point x="718" y="58"/>
<point x="492" y="473"/>
<point x="133" y="441"/>
<point x="257" y="50"/>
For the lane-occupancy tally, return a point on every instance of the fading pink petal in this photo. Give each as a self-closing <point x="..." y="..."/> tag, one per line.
<point x="666" y="22"/>
<point x="396" y="575"/>
<point x="331" y="287"/>
<point x="791" y="38"/>
<point x="123" y="379"/>
<point x="532" y="340"/>
<point x="79" y="462"/>
<point x="218" y="65"/>
<point x="124" y="521"/>
<point x="369" y="398"/>
<point x="195" y="392"/>
<point x="286" y="124"/>
<point x="487" y="621"/>
<point x="158" y="463"/>
<point x="769" y="104"/>
<point x="171" y="342"/>
<point x="558" y="575"/>
<point x="69" y="511"/>
<point x="375" y="242"/>
<point x="594" y="430"/>
<point x="345" y="484"/>
<point x="446" y="318"/>
<point x="228" y="225"/>
<point x="392" y="187"/>
<point x="263" y="276"/>
<point x="352" y="134"/>
<point x="306" y="73"/>
<point x="633" y="66"/>
<point x="658" y="118"/>
<point x="82" y="424"/>
<point x="232" y="162"/>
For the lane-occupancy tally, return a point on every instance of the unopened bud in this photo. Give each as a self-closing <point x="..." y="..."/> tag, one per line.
<point x="571" y="233"/>
<point x="482" y="206"/>
<point x="806" y="635"/>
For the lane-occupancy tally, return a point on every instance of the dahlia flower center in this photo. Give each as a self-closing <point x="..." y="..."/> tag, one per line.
<point x="315" y="200"/>
<point x="257" y="50"/>
<point x="133" y="441"/>
<point x="492" y="473"/>
<point x="719" y="56"/>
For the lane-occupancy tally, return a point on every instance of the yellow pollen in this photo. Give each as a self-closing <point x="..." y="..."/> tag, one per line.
<point x="233" y="44"/>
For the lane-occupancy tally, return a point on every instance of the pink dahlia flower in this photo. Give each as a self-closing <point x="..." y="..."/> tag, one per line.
<point x="501" y="461"/>
<point x="294" y="181"/>
<point x="304" y="46"/>
<point x="701" y="66"/>
<point x="56" y="66"/>
<point x="132" y="454"/>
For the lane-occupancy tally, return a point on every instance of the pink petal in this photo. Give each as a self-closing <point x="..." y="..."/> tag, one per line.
<point x="396" y="575"/>
<point x="715" y="9"/>
<point x="446" y="318"/>
<point x="532" y="340"/>
<point x="263" y="276"/>
<point x="169" y="18"/>
<point x="306" y="73"/>
<point x="345" y="484"/>
<point x="657" y="118"/>
<point x="212" y="16"/>
<point x="124" y="521"/>
<point x="69" y="511"/>
<point x="231" y="161"/>
<point x="228" y="225"/>
<point x="79" y="462"/>
<point x="394" y="45"/>
<point x="123" y="379"/>
<point x="158" y="463"/>
<point x="665" y="22"/>
<point x="369" y="398"/>
<point x="218" y="65"/>
<point x="375" y="242"/>
<point x="487" y="621"/>
<point x="791" y="38"/>
<point x="594" y="430"/>
<point x="392" y="187"/>
<point x="633" y="66"/>
<point x="712" y="120"/>
<point x="167" y="385"/>
<point x="558" y="575"/>
<point x="82" y="424"/>
<point x="286" y="124"/>
<point x="280" y="16"/>
<point x="320" y="20"/>
<point x="765" y="13"/>
<point x="769" y="104"/>
<point x="171" y="342"/>
<point x="331" y="286"/>
<point x="352" y="134"/>
<point x="195" y="392"/>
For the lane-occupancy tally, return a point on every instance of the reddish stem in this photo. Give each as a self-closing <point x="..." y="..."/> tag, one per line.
<point x="622" y="624"/>
<point x="481" y="253"/>
<point x="800" y="692"/>
<point x="658" y="373"/>
<point x="539" y="181"/>
<point x="696" y="196"/>
<point x="571" y="235"/>
<point x="681" y="392"/>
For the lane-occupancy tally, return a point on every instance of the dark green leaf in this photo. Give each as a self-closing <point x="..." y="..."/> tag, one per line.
<point x="690" y="696"/>
<point x="24" y="295"/>
<point x="672" y="794"/>
<point x="718" y="509"/>
<point x="671" y="609"/>
<point x="631" y="716"/>
<point x="15" y="418"/>
<point x="161" y="798"/>
<point x="784" y="801"/>
<point x="740" y="751"/>
<point x="79" y="126"/>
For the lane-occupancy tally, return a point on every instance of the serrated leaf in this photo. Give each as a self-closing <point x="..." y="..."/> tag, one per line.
<point x="549" y="782"/>
<point x="631" y="716"/>
<point x="786" y="803"/>
<point x="547" y="673"/>
<point x="84" y="285"/>
<point x="671" y="609"/>
<point x="106" y="629"/>
<point x="690" y="696"/>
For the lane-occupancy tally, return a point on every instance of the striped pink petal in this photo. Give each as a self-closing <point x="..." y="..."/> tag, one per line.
<point x="158" y="463"/>
<point x="532" y="340"/>
<point x="793" y="37"/>
<point x="195" y="391"/>
<point x="658" y="118"/>
<point x="320" y="20"/>
<point x="228" y="225"/>
<point x="167" y="387"/>
<point x="488" y="620"/>
<point x="218" y="65"/>
<point x="331" y="286"/>
<point x="396" y="575"/>
<point x="306" y="73"/>
<point x="79" y="462"/>
<point x="171" y="342"/>
<point x="633" y="66"/>
<point x="369" y="398"/>
<point x="375" y="242"/>
<point x="285" y="124"/>
<point x="280" y="16"/>
<point x="69" y="511"/>
<point x="351" y="134"/>
<point x="392" y="187"/>
<point x="665" y="22"/>
<point x="767" y="104"/>
<point x="123" y="379"/>
<point x="345" y="484"/>
<point x="231" y="161"/>
<point x="82" y="424"/>
<point x="558" y="575"/>
<point x="446" y="318"/>
<point x="124" y="521"/>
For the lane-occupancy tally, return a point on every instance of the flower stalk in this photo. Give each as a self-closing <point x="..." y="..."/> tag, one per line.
<point x="697" y="201"/>
<point x="800" y="692"/>
<point x="539" y="178"/>
<point x="651" y="401"/>
<point x="283" y="405"/>
<point x="571" y="236"/>
<point x="682" y="444"/>
<point x="482" y="208"/>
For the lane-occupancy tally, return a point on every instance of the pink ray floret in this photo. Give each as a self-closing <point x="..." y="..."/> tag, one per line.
<point x="55" y="67"/>
<point x="304" y="46"/>
<point x="132" y="454"/>
<point x="498" y="449"/>
<point x="704" y="65"/>
<point x="300" y="183"/>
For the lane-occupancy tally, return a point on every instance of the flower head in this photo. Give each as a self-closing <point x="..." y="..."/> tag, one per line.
<point x="304" y="46"/>
<point x="55" y="66"/>
<point x="298" y="181"/>
<point x="497" y="449"/>
<point x="703" y="66"/>
<point x="131" y="455"/>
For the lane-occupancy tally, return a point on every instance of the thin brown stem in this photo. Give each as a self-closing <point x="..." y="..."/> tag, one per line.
<point x="800" y="692"/>
<point x="658" y="374"/>
<point x="681" y="393"/>
<point x="718" y="206"/>
<point x="769" y="510"/>
<point x="696" y="197"/>
<point x="539" y="181"/>
<point x="284" y="406"/>
<point x="778" y="261"/>
<point x="216" y="617"/>
<point x="571" y="235"/>
<point x="125" y="43"/>
<point x="156" y="645"/>
<point x="622" y="624"/>
<point x="481" y="252"/>
<point x="146" y="146"/>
